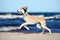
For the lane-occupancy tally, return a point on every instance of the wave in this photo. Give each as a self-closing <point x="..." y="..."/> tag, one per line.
<point x="10" y="16"/>
<point x="8" y="28"/>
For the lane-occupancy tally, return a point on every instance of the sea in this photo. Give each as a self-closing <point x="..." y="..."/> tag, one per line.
<point x="9" y="24"/>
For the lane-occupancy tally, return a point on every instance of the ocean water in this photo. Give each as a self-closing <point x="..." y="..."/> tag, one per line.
<point x="11" y="24"/>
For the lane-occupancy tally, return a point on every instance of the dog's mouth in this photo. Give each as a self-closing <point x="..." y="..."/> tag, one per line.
<point x="20" y="12"/>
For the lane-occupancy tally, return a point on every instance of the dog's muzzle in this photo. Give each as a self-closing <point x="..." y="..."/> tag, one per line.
<point x="20" y="12"/>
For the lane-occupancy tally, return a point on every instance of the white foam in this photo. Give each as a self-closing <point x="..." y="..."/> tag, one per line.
<point x="7" y="28"/>
<point x="10" y="16"/>
<point x="39" y="15"/>
<point x="57" y="16"/>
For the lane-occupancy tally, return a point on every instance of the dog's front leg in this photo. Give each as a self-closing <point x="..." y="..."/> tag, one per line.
<point x="26" y="27"/>
<point x="23" y="25"/>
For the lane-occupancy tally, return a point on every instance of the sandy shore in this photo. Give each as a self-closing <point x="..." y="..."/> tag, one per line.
<point x="30" y="36"/>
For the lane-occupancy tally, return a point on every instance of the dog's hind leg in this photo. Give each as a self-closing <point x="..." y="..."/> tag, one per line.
<point x="38" y="25"/>
<point x="43" y="31"/>
<point x="48" y="29"/>
<point x="45" y="27"/>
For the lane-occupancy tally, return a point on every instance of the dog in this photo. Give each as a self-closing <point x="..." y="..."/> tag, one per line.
<point x="30" y="20"/>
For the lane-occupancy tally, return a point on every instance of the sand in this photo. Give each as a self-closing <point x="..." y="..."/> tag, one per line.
<point x="29" y="36"/>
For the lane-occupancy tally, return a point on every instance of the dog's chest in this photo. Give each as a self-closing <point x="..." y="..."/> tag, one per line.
<point x="26" y="18"/>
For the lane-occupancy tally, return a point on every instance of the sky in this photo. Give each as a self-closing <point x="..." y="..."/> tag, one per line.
<point x="33" y="5"/>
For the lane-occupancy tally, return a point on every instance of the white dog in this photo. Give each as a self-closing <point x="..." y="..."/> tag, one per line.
<point x="30" y="20"/>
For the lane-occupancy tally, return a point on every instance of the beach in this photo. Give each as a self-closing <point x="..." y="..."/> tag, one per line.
<point x="28" y="36"/>
<point x="10" y="22"/>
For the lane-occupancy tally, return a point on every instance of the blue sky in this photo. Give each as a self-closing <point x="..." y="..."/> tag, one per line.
<point x="33" y="5"/>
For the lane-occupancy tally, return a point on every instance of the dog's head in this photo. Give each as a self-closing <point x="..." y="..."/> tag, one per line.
<point x="22" y="10"/>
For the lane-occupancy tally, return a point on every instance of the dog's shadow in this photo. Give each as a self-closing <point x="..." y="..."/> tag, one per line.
<point x="32" y="30"/>
<point x="23" y="30"/>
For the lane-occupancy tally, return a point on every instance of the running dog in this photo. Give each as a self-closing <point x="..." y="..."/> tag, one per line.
<point x="30" y="20"/>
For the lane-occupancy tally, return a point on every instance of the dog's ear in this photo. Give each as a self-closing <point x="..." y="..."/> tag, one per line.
<point x="25" y="9"/>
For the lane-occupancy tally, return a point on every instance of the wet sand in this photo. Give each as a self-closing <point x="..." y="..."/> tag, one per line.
<point x="28" y="36"/>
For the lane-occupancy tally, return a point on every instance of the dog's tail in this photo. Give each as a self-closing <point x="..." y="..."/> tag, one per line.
<point x="51" y="19"/>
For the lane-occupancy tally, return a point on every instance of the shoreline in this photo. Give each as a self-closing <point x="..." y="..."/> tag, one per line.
<point x="28" y="36"/>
